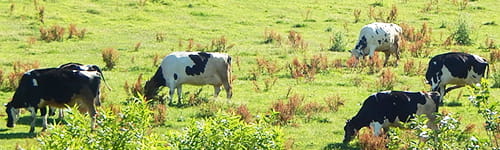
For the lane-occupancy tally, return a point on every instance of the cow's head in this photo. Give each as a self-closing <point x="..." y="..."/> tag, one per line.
<point x="356" y="53"/>
<point x="153" y="85"/>
<point x="435" y="97"/>
<point x="349" y="131"/>
<point x="12" y="115"/>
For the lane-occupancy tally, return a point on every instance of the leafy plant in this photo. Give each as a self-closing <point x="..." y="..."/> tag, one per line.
<point x="462" y="33"/>
<point x="110" y="56"/>
<point x="225" y="131"/>
<point x="338" y="42"/>
<point x="480" y="98"/>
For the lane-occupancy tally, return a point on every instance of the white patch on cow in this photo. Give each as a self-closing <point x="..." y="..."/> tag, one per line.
<point x="15" y="113"/>
<point x="376" y="126"/>
<point x="434" y="62"/>
<point x="35" y="82"/>
<point x="479" y="59"/>
<point x="90" y="74"/>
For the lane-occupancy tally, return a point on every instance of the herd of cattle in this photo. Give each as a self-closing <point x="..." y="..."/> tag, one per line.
<point x="76" y="84"/>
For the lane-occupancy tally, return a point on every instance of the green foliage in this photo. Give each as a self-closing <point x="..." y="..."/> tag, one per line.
<point x="496" y="79"/>
<point x="480" y="98"/>
<point x="447" y="135"/>
<point x="128" y="129"/>
<point x="228" y="132"/>
<point x="338" y="42"/>
<point x="462" y="33"/>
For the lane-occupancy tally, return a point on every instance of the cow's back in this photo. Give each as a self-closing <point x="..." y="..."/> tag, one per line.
<point x="197" y="68"/>
<point x="383" y="35"/>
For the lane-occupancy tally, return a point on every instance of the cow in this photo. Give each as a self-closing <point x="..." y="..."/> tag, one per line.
<point x="195" y="68"/>
<point x="390" y="108"/>
<point x="58" y="87"/>
<point x="455" y="68"/>
<point x="383" y="37"/>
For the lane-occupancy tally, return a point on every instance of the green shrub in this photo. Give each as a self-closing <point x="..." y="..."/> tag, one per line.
<point x="228" y="132"/>
<point x="462" y="34"/>
<point x="338" y="42"/>
<point x="125" y="129"/>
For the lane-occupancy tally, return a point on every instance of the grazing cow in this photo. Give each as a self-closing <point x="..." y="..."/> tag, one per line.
<point x="376" y="36"/>
<point x="195" y="68"/>
<point x="389" y="108"/>
<point x="455" y="68"/>
<point x="56" y="87"/>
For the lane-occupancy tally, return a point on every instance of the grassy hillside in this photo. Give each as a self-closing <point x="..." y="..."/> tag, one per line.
<point x="123" y="24"/>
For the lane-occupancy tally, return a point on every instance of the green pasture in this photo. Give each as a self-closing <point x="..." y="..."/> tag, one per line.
<point x="121" y="24"/>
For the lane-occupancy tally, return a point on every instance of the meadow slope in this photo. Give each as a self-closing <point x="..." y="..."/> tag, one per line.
<point x="124" y="24"/>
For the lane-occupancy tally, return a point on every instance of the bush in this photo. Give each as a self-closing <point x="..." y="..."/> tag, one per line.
<point x="462" y="33"/>
<point x="228" y="132"/>
<point x="387" y="80"/>
<point x="338" y="42"/>
<point x="110" y="57"/>
<point x="128" y="128"/>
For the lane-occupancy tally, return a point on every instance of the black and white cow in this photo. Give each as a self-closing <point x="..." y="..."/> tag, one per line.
<point x="68" y="85"/>
<point x="384" y="37"/>
<point x="389" y="108"/>
<point x="195" y="68"/>
<point x="455" y="68"/>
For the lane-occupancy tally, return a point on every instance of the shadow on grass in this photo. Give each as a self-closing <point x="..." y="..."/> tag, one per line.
<point x="20" y="135"/>
<point x="339" y="146"/>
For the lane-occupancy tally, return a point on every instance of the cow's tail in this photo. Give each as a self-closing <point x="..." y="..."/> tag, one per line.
<point x="102" y="75"/>
<point x="487" y="70"/>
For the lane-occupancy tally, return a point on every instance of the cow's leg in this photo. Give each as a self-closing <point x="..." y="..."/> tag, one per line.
<point x="33" y="118"/>
<point x="43" y="112"/>
<point x="179" y="95"/>
<point x="387" y="55"/>
<point x="171" y="92"/>
<point x="92" y="112"/>
<point x="229" y="90"/>
<point x="376" y="126"/>
<point x="216" y="90"/>
<point x="453" y="87"/>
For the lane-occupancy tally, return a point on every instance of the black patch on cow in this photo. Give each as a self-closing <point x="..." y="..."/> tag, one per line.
<point x="386" y="40"/>
<point x="175" y="76"/>
<point x="229" y="59"/>
<point x="362" y="44"/>
<point x="379" y="42"/>
<point x="387" y="105"/>
<point x="376" y="32"/>
<point x="200" y="62"/>
<point x="458" y="64"/>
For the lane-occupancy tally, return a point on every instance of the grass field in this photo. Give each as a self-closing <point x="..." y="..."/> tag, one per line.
<point x="161" y="27"/>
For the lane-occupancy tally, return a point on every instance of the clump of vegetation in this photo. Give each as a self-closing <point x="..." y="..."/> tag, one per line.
<point x="375" y="63"/>
<point x="387" y="80"/>
<point x="411" y="68"/>
<point x="74" y="32"/>
<point x="271" y="36"/>
<point x="41" y="14"/>
<point x="196" y="98"/>
<point x="393" y="14"/>
<point x="267" y="66"/>
<point x="490" y="43"/>
<point x="338" y="42"/>
<point x="55" y="33"/>
<point x="136" y="89"/>
<point x="480" y="98"/>
<point x="296" y="41"/>
<point x="156" y="59"/>
<point x="19" y="68"/>
<point x="462" y="34"/>
<point x="110" y="56"/>
<point x="137" y="46"/>
<point x="286" y="111"/>
<point x="494" y="56"/>
<point x="228" y="132"/>
<point x="220" y="45"/>
<point x="243" y="112"/>
<point x="356" y="13"/>
<point x="334" y="103"/>
<point x="368" y="141"/>
<point x="160" y="36"/>
<point x="159" y="114"/>
<point x="1" y="77"/>
<point x="126" y="128"/>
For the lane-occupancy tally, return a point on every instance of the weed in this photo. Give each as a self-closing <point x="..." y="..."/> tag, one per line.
<point x="463" y="4"/>
<point x="490" y="43"/>
<point x="136" y="89"/>
<point x="31" y="40"/>
<point x="368" y="141"/>
<point x="110" y="56"/>
<point x="137" y="46"/>
<point x="334" y="103"/>
<point x="286" y="111"/>
<point x="462" y="33"/>
<point x="338" y="63"/>
<point x="55" y="33"/>
<point x="271" y="36"/>
<point x="196" y="99"/>
<point x="159" y="114"/>
<point x="494" y="55"/>
<point x="371" y="12"/>
<point x="296" y="40"/>
<point x="41" y="14"/>
<point x="1" y="77"/>
<point x="219" y="45"/>
<point x="11" y="10"/>
<point x="387" y="80"/>
<point x="356" y="13"/>
<point x="351" y="62"/>
<point x="298" y="69"/>
<point x="244" y="113"/>
<point x="376" y="63"/>
<point x="338" y="42"/>
<point x="266" y="66"/>
<point x="393" y="14"/>
<point x="160" y="36"/>
<point x="408" y="32"/>
<point x="479" y="98"/>
<point x="156" y="59"/>
<point x="19" y="68"/>
<point x="311" y="108"/>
